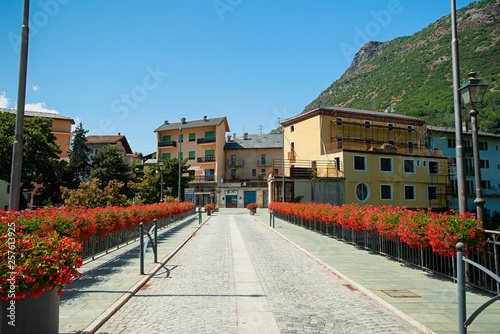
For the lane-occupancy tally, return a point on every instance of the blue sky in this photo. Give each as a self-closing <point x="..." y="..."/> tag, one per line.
<point x="127" y="66"/>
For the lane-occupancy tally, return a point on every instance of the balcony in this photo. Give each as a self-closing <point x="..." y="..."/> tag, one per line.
<point x="383" y="148"/>
<point x="292" y="155"/>
<point x="491" y="192"/>
<point x="206" y="159"/>
<point x="170" y="143"/>
<point x="204" y="178"/>
<point x="263" y="163"/>
<point x="469" y="170"/>
<point x="468" y="151"/>
<point x="208" y="140"/>
<point x="235" y="163"/>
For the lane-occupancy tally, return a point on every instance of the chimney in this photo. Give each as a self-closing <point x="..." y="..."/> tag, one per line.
<point x="205" y="118"/>
<point x="183" y="120"/>
<point x="229" y="138"/>
<point x="465" y="127"/>
<point x="234" y="135"/>
<point x="245" y="135"/>
<point x="119" y="134"/>
<point x="166" y="122"/>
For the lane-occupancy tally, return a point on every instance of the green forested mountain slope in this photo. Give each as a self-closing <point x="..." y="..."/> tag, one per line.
<point x="412" y="75"/>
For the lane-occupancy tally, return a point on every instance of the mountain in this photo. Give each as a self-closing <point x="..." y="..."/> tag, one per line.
<point x="412" y="75"/>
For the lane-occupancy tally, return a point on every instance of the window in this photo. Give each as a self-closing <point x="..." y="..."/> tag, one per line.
<point x="418" y="163"/>
<point x="263" y="159"/>
<point x="276" y="171"/>
<point x="340" y="143"/>
<point x="181" y="137"/>
<point x="410" y="147"/>
<point x="498" y="166"/>
<point x="209" y="134"/>
<point x="254" y="172"/>
<point x="165" y="156"/>
<point x="362" y="191"/>
<point x="386" y="191"/>
<point x="292" y="146"/>
<point x="263" y="171"/>
<point x="409" y="128"/>
<point x="368" y="124"/>
<point x="483" y="146"/>
<point x="192" y="136"/>
<point x="340" y="121"/>
<point x="424" y="163"/>
<point x="451" y="143"/>
<point x="192" y="155"/>
<point x="484" y="163"/>
<point x="409" y="166"/>
<point x="233" y="174"/>
<point x="454" y="187"/>
<point x="233" y="160"/>
<point x="410" y="193"/>
<point x="292" y="128"/>
<point x="432" y="193"/>
<point x="359" y="163"/>
<point x="337" y="163"/>
<point x="485" y="184"/>
<point x="386" y="164"/>
<point x="167" y="138"/>
<point x="181" y="155"/>
<point x="467" y="143"/>
<point x="433" y="167"/>
<point x="209" y="153"/>
<point x="8" y="189"/>
<point x="390" y="126"/>
<point x="368" y="145"/>
<point x="191" y="173"/>
<point x="469" y="187"/>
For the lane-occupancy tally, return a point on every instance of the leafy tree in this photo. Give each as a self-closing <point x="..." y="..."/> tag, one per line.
<point x="147" y="186"/>
<point x="90" y="195"/>
<point x="50" y="192"/>
<point x="108" y="164"/>
<point x="171" y="176"/>
<point x="39" y="150"/>
<point x="79" y="154"/>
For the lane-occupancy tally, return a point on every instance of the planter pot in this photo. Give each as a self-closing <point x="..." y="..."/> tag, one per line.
<point x="209" y="212"/>
<point x="252" y="212"/>
<point x="31" y="315"/>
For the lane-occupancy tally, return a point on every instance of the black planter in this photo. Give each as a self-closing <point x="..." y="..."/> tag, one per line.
<point x="33" y="315"/>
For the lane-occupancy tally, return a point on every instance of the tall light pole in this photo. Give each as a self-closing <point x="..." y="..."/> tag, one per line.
<point x="17" y="147"/>
<point x="472" y="92"/>
<point x="162" y="169"/>
<point x="180" y="152"/>
<point x="462" y="202"/>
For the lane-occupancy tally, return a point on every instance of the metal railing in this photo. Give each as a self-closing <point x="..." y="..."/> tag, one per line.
<point x="207" y="140"/>
<point x="383" y="148"/>
<point x="169" y="143"/>
<point x="104" y="244"/>
<point x="425" y="258"/>
<point x="235" y="163"/>
<point x="207" y="158"/>
<point x="203" y="178"/>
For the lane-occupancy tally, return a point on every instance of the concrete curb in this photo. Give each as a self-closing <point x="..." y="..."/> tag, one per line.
<point x="417" y="325"/>
<point x="100" y="320"/>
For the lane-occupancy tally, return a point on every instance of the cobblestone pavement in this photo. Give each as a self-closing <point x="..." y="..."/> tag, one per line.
<point x="195" y="292"/>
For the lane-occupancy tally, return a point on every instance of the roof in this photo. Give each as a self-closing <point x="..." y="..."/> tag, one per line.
<point x="28" y="113"/>
<point x="110" y="140"/>
<point x="256" y="141"/>
<point x="451" y="130"/>
<point x="342" y="110"/>
<point x="194" y="124"/>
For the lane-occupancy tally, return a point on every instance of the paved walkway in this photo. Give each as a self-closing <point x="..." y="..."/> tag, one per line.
<point x="237" y="276"/>
<point x="111" y="278"/>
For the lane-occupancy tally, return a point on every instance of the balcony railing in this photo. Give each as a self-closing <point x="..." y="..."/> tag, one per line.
<point x="235" y="163"/>
<point x="207" y="140"/>
<point x="207" y="158"/>
<point x="490" y="192"/>
<point x="169" y="143"/>
<point x="468" y="150"/>
<point x="262" y="163"/>
<point x="204" y="178"/>
<point x="383" y="148"/>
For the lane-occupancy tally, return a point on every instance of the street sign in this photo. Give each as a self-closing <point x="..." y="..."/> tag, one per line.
<point x="211" y="194"/>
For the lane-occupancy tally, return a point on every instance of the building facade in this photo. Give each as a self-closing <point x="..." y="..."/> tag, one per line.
<point x="248" y="161"/>
<point x="344" y="155"/>
<point x="202" y="143"/>
<point x="444" y="139"/>
<point x="61" y="128"/>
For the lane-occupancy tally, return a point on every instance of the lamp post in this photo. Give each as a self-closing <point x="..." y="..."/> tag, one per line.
<point x="472" y="91"/>
<point x="162" y="169"/>
<point x="180" y="152"/>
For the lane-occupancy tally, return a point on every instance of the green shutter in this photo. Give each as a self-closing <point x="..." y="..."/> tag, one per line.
<point x="165" y="156"/>
<point x="191" y="154"/>
<point x="181" y="137"/>
<point x="192" y="136"/>
<point x="209" y="134"/>
<point x="181" y="155"/>
<point x="209" y="152"/>
<point x="167" y="138"/>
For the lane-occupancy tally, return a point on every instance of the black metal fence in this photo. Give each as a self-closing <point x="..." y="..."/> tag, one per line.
<point x="104" y="244"/>
<point x="424" y="258"/>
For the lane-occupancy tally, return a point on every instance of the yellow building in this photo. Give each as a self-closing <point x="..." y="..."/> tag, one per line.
<point x="202" y="143"/>
<point x="61" y="128"/>
<point x="368" y="157"/>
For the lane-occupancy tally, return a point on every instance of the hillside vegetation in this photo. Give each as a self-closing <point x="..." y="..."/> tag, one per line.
<point x="412" y="75"/>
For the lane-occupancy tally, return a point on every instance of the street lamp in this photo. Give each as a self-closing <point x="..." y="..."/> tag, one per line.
<point x="472" y="91"/>
<point x="162" y="169"/>
<point x="180" y="152"/>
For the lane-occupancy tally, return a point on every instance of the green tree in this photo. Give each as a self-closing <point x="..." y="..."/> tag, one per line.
<point x="39" y="150"/>
<point x="147" y="187"/>
<point x="108" y="164"/>
<point x="79" y="154"/>
<point x="90" y="195"/>
<point x="50" y="192"/>
<point x="171" y="176"/>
